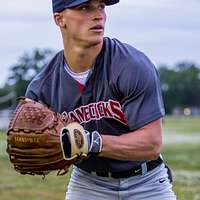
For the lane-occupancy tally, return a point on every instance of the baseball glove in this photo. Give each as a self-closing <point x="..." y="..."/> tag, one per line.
<point x="35" y="140"/>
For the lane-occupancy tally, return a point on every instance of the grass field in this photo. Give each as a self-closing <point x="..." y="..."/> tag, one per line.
<point x="182" y="156"/>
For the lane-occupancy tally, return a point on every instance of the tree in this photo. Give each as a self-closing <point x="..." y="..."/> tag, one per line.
<point x="180" y="85"/>
<point x="7" y="98"/>
<point x="27" y="67"/>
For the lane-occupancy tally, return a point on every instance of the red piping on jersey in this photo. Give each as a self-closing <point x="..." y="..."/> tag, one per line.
<point x="81" y="86"/>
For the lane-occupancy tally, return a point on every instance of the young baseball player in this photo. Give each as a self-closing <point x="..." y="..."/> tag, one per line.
<point x="113" y="91"/>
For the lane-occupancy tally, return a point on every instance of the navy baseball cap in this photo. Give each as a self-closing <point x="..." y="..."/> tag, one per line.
<point x="60" y="5"/>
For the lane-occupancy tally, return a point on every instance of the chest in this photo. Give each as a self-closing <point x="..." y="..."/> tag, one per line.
<point x="96" y="106"/>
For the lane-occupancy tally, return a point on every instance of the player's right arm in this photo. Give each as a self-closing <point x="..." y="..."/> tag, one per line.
<point x="142" y="144"/>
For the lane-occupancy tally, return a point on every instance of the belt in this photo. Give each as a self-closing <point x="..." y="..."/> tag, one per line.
<point x="132" y="172"/>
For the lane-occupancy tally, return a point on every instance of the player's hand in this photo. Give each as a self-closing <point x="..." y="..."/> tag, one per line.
<point x="77" y="141"/>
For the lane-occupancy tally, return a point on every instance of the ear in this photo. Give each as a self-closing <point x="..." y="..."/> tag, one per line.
<point x="59" y="20"/>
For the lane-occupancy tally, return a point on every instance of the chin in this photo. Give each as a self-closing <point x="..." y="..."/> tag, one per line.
<point x="98" y="41"/>
<point x="94" y="42"/>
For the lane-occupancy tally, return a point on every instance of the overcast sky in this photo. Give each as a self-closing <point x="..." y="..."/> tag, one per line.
<point x="168" y="31"/>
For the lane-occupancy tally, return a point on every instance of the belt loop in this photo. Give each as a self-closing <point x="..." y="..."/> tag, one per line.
<point x="144" y="168"/>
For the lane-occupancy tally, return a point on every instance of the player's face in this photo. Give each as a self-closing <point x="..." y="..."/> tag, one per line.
<point x="85" y="23"/>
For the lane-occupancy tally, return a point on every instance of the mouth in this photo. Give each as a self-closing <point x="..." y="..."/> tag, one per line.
<point x="97" y="28"/>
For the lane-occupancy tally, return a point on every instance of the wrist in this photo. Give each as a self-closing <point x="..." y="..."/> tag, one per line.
<point x="95" y="142"/>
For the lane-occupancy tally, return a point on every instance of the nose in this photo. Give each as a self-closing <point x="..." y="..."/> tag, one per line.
<point x="99" y="14"/>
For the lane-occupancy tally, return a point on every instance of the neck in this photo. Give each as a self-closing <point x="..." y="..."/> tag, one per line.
<point x="80" y="59"/>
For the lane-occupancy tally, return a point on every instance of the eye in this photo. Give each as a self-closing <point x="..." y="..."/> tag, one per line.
<point x="83" y="7"/>
<point x="102" y="6"/>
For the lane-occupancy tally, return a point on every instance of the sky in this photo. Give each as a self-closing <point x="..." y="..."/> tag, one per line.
<point x="167" y="31"/>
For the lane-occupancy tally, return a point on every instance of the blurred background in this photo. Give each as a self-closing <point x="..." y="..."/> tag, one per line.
<point x="167" y="31"/>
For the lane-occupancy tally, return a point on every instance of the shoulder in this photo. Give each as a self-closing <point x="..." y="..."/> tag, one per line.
<point x="128" y="62"/>
<point x="126" y="56"/>
<point x="45" y="77"/>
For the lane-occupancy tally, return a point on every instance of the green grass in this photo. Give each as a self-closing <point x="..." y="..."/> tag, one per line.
<point x="182" y="125"/>
<point x="14" y="186"/>
<point x="183" y="159"/>
<point x="2" y="135"/>
<point x="183" y="156"/>
<point x="24" y="187"/>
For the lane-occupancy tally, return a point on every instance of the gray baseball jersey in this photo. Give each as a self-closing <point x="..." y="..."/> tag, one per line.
<point x="122" y="94"/>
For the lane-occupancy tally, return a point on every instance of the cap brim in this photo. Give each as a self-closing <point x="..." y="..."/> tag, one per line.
<point x="60" y="5"/>
<point x="107" y="2"/>
<point x="76" y="3"/>
<point x="111" y="2"/>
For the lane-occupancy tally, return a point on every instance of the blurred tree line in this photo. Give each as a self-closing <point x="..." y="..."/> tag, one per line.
<point x="180" y="83"/>
<point x="28" y="65"/>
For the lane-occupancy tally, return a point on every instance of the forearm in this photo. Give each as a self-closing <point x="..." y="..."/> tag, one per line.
<point x="143" y="144"/>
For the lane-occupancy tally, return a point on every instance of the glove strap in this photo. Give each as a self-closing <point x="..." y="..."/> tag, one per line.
<point x="95" y="141"/>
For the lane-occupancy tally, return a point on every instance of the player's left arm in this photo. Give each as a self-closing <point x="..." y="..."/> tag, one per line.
<point x="142" y="144"/>
<point x="143" y="108"/>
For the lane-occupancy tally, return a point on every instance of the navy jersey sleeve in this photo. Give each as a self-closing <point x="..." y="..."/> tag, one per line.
<point x="139" y="84"/>
<point x="39" y="88"/>
<point x="31" y="93"/>
<point x="36" y="88"/>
